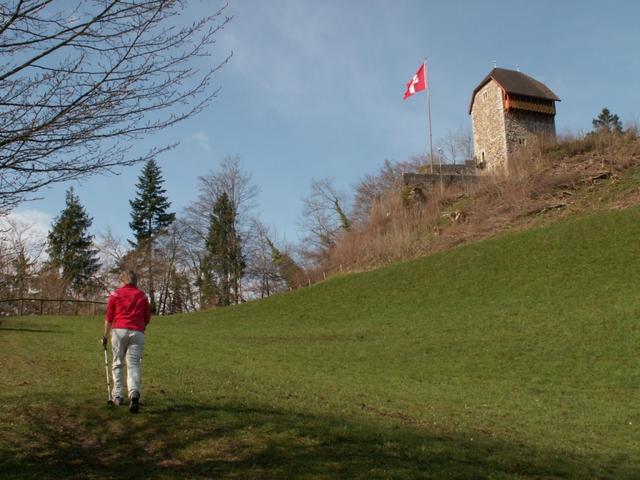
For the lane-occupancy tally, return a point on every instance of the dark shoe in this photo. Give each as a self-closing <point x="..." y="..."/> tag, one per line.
<point x="134" y="406"/>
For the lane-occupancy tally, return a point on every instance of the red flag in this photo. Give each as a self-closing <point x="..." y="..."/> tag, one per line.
<point x="417" y="83"/>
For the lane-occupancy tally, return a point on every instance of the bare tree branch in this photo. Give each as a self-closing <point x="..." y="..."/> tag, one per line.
<point x="231" y="179"/>
<point x="81" y="80"/>
<point x="457" y="146"/>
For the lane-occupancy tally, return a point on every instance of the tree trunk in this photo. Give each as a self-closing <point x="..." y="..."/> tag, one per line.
<point x="152" y="294"/>
<point x="226" y="289"/>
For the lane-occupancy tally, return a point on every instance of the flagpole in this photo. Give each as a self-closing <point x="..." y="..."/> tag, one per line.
<point x="426" y="78"/>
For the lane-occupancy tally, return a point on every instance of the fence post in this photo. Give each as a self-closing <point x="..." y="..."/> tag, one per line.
<point x="21" y="306"/>
<point x="41" y="307"/>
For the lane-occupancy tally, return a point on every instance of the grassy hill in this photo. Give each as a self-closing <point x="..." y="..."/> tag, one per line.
<point x="514" y="357"/>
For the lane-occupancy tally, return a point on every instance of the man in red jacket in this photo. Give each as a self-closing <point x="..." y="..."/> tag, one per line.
<point x="128" y="315"/>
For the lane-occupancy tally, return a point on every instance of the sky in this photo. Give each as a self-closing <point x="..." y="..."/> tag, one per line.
<point x="314" y="89"/>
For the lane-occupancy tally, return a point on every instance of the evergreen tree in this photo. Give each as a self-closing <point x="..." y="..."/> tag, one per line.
<point x="149" y="210"/>
<point x="224" y="263"/>
<point x="206" y="283"/>
<point x="606" y="122"/>
<point x="69" y="245"/>
<point x="150" y="216"/>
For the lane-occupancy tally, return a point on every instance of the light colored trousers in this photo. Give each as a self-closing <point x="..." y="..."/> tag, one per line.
<point x="129" y="345"/>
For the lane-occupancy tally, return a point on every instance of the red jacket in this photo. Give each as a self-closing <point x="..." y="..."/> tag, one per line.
<point x="128" y="307"/>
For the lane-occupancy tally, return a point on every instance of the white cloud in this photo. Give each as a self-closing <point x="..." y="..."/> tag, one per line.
<point x="202" y="139"/>
<point x="35" y="221"/>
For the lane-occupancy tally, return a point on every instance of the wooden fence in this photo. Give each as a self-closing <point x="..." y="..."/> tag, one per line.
<point x="50" y="306"/>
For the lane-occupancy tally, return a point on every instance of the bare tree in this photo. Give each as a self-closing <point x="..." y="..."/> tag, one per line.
<point x="20" y="259"/>
<point x="324" y="214"/>
<point x="175" y="286"/>
<point x="457" y="146"/>
<point x="229" y="179"/>
<point x="465" y="143"/>
<point x="374" y="186"/>
<point x="21" y="236"/>
<point x="260" y="269"/>
<point x="80" y="80"/>
<point x="112" y="250"/>
<point x="266" y="264"/>
<point x="193" y="252"/>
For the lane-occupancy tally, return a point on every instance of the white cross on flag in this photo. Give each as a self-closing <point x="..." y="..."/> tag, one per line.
<point x="417" y="83"/>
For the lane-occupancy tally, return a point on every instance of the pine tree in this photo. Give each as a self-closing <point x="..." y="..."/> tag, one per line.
<point x="224" y="263"/>
<point x="150" y="216"/>
<point x="69" y="245"/>
<point x="206" y="283"/>
<point x="606" y="122"/>
<point x="149" y="210"/>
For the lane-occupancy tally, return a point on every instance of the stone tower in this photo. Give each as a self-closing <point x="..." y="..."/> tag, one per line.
<point x="508" y="111"/>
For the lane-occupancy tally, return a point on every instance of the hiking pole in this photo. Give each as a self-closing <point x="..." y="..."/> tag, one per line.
<point x="106" y="371"/>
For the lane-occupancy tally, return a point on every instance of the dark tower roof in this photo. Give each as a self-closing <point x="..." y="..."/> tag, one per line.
<point x="516" y="83"/>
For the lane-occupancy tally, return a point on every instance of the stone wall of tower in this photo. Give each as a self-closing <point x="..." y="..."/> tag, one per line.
<point x="488" y="121"/>
<point x="526" y="128"/>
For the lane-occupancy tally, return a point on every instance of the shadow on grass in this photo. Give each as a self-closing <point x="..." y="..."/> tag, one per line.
<point x="32" y="330"/>
<point x="49" y="441"/>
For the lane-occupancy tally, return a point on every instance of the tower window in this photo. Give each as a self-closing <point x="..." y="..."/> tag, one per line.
<point x="522" y="141"/>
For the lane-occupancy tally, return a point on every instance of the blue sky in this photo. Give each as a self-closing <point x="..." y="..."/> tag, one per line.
<point x="315" y="89"/>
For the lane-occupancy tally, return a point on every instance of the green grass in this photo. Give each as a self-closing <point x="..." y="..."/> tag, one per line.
<point x="515" y="358"/>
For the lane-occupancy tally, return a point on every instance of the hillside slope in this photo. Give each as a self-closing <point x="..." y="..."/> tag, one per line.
<point x="570" y="178"/>
<point x="515" y="357"/>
